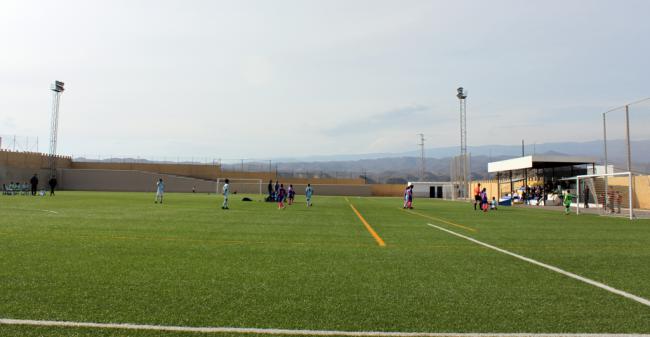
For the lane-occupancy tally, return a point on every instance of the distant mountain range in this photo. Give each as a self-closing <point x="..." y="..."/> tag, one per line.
<point x="404" y="166"/>
<point x="616" y="151"/>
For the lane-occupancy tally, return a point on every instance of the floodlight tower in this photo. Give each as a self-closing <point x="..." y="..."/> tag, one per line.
<point x="57" y="90"/>
<point x="462" y="95"/>
<point x="422" y="163"/>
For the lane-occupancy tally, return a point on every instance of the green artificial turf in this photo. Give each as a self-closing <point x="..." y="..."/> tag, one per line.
<point x="120" y="258"/>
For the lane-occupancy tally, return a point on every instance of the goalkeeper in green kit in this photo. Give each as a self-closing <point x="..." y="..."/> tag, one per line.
<point x="567" y="202"/>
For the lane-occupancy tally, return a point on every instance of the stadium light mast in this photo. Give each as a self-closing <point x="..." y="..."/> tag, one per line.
<point x="422" y="163"/>
<point x="57" y="90"/>
<point x="462" y="96"/>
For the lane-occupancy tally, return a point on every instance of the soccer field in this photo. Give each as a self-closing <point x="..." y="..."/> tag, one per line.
<point x="120" y="258"/>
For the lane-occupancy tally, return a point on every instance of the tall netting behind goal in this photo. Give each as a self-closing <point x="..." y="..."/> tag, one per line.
<point x="605" y="194"/>
<point x="459" y="173"/>
<point x="247" y="186"/>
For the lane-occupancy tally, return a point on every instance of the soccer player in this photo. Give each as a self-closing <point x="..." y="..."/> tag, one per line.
<point x="484" y="200"/>
<point x="308" y="193"/>
<point x="409" y="197"/>
<point x="567" y="202"/>
<point x="160" y="189"/>
<point x="477" y="195"/>
<point x="292" y="194"/>
<point x="226" y="192"/>
<point x="282" y="194"/>
<point x="406" y="196"/>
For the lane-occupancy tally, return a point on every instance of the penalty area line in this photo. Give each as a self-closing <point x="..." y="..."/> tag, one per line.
<point x="553" y="268"/>
<point x="262" y="331"/>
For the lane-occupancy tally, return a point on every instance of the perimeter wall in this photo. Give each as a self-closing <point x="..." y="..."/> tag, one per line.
<point x="105" y="176"/>
<point x="21" y="166"/>
<point x="202" y="171"/>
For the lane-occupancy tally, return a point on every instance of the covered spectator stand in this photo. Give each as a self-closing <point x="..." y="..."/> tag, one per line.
<point x="546" y="171"/>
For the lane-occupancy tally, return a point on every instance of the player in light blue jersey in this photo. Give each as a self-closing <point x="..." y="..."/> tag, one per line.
<point x="308" y="193"/>
<point x="160" y="190"/>
<point x="226" y="192"/>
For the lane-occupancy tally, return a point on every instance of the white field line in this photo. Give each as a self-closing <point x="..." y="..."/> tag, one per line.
<point x="33" y="209"/>
<point x="555" y="269"/>
<point x="296" y="332"/>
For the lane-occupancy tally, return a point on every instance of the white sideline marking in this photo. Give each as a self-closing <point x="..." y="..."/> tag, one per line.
<point x="555" y="269"/>
<point x="8" y="321"/>
<point x="33" y="209"/>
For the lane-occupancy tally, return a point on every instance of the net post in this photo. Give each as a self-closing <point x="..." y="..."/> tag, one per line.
<point x="630" y="195"/>
<point x="605" y="150"/>
<point x="577" y="195"/>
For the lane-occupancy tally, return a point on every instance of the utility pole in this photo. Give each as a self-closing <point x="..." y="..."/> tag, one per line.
<point x="422" y="163"/>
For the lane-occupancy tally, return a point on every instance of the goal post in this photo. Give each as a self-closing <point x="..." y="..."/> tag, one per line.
<point x="243" y="185"/>
<point x="609" y="193"/>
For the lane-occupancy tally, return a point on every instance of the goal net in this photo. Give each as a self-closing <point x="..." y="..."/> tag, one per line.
<point x="246" y="186"/>
<point x="605" y="194"/>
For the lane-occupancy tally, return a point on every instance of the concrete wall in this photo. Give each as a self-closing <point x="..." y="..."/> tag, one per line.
<point x="129" y="181"/>
<point x="338" y="189"/>
<point x="266" y="176"/>
<point x="641" y="188"/>
<point x="388" y="190"/>
<point x="209" y="172"/>
<point x="319" y="189"/>
<point x="104" y="176"/>
<point x="31" y="160"/>
<point x="140" y="181"/>
<point x="10" y="174"/>
<point x="21" y="166"/>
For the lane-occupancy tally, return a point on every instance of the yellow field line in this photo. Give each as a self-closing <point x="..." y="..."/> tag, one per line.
<point x="372" y="232"/>
<point x="441" y="220"/>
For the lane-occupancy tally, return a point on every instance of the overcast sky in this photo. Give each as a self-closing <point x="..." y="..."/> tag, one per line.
<point x="259" y="79"/>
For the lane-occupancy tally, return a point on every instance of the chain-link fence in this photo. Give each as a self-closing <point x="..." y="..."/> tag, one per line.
<point x="627" y="137"/>
<point x="20" y="143"/>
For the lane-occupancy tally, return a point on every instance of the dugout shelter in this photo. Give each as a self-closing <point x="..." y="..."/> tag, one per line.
<point x="549" y="171"/>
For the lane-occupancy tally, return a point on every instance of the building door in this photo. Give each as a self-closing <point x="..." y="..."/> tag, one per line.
<point x="432" y="191"/>
<point x="439" y="194"/>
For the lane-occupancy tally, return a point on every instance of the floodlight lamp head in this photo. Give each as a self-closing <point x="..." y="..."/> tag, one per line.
<point x="461" y="94"/>
<point x="57" y="86"/>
